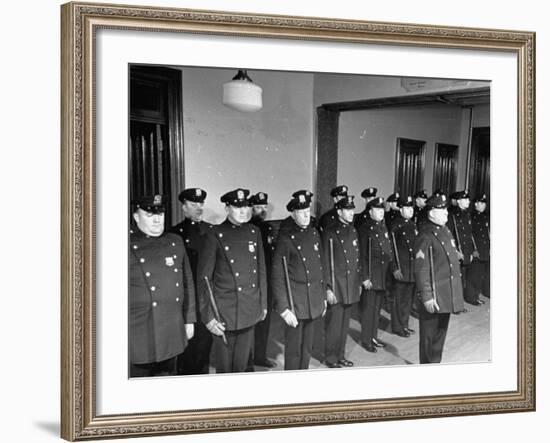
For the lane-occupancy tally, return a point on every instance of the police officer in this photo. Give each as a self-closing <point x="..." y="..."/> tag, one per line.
<point x="480" y="267"/>
<point x="305" y="298"/>
<point x="195" y="358"/>
<point x="331" y="215"/>
<point x="437" y="277"/>
<point x="376" y="261"/>
<point x="420" y="213"/>
<point x="259" y="205"/>
<point x="342" y="260"/>
<point x="289" y="222"/>
<point x="460" y="225"/>
<point x="162" y="296"/>
<point x="368" y="194"/>
<point x="232" y="264"/>
<point x="403" y="236"/>
<point x="392" y="209"/>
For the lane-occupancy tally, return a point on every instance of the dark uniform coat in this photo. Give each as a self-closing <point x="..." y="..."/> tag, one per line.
<point x="381" y="255"/>
<point x="480" y="231"/>
<point x="192" y="234"/>
<point x="404" y="232"/>
<point x="303" y="251"/>
<point x="390" y="217"/>
<point x="162" y="297"/>
<point x="461" y="219"/>
<point x="347" y="272"/>
<point x="361" y="218"/>
<point x="328" y="218"/>
<point x="448" y="283"/>
<point x="420" y="216"/>
<point x="232" y="258"/>
<point x="289" y="223"/>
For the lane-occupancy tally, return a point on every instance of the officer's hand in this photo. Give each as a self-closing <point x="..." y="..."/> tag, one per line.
<point x="289" y="318"/>
<point x="398" y="274"/>
<point x="331" y="298"/>
<point x="431" y="306"/>
<point x="460" y="256"/>
<point x="215" y="327"/>
<point x="324" y="310"/>
<point x="367" y="284"/>
<point x="190" y="330"/>
<point x="264" y="314"/>
<point x="476" y="254"/>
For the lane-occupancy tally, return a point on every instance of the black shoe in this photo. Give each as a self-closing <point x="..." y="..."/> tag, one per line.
<point x="370" y="348"/>
<point x="403" y="333"/>
<point x="265" y="363"/>
<point x="481" y="302"/>
<point x="410" y="331"/>
<point x="333" y="365"/>
<point x="345" y="363"/>
<point x="378" y="343"/>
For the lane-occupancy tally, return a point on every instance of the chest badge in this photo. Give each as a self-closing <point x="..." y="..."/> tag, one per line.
<point x="386" y="234"/>
<point x="269" y="239"/>
<point x="316" y="246"/>
<point x="453" y="242"/>
<point x="355" y="242"/>
<point x="251" y="247"/>
<point x="169" y="261"/>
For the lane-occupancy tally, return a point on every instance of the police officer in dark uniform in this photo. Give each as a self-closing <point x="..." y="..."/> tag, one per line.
<point x="289" y="222"/>
<point x="420" y="213"/>
<point x="368" y="194"/>
<point x="342" y="260"/>
<point x="393" y="210"/>
<point x="162" y="295"/>
<point x="403" y="235"/>
<point x="259" y="204"/>
<point x="232" y="263"/>
<point x="481" y="265"/>
<point x="376" y="261"/>
<point x="301" y="247"/>
<point x="435" y="254"/>
<point x="460" y="225"/>
<point x="331" y="215"/>
<point x="195" y="358"/>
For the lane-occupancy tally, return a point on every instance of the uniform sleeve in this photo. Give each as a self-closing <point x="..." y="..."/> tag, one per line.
<point x="278" y="285"/>
<point x="325" y="244"/>
<point x="262" y="270"/>
<point x="325" y="263"/>
<point x="189" y="309"/>
<point x="422" y="267"/>
<point x="205" y="268"/>
<point x="363" y="252"/>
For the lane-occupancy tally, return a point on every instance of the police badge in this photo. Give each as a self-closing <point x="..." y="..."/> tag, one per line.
<point x="316" y="246"/>
<point x="169" y="261"/>
<point x="251" y="247"/>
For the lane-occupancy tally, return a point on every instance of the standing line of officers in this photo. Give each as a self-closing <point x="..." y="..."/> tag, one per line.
<point x="202" y="295"/>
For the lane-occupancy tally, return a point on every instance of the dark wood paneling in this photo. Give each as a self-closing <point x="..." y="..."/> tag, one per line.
<point x="327" y="158"/>
<point x="445" y="167"/>
<point x="409" y="166"/>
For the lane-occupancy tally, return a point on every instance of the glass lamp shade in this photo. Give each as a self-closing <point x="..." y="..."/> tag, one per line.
<point x="242" y="95"/>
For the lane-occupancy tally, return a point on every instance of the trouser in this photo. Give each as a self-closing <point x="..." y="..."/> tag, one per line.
<point x="154" y="369"/>
<point x="433" y="330"/>
<point x="371" y="303"/>
<point x="298" y="345"/>
<point x="402" y="294"/>
<point x="319" y="338"/>
<point x="336" y="331"/>
<point x="261" y="334"/>
<point x="195" y="358"/>
<point x="232" y="357"/>
<point x="470" y="294"/>
<point x="480" y="277"/>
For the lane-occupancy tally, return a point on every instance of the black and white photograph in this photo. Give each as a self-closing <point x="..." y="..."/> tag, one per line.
<point x="283" y="221"/>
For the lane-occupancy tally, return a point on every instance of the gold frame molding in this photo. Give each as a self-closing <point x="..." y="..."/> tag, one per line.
<point x="79" y="23"/>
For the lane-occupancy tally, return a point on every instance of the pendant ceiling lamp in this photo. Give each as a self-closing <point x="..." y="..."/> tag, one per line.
<point x="242" y="94"/>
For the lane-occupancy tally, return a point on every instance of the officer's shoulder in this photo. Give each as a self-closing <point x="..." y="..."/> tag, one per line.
<point x="173" y="238"/>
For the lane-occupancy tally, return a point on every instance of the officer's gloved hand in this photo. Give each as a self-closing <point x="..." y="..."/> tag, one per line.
<point x="190" y="330"/>
<point x="367" y="284"/>
<point x="475" y="254"/>
<point x="289" y="318"/>
<point x="264" y="314"/>
<point x="324" y="310"/>
<point x="431" y="306"/>
<point x="215" y="327"/>
<point x="398" y="274"/>
<point x="460" y="256"/>
<point x="331" y="298"/>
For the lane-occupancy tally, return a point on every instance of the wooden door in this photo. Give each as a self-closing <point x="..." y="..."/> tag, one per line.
<point x="409" y="166"/>
<point x="445" y="167"/>
<point x="480" y="162"/>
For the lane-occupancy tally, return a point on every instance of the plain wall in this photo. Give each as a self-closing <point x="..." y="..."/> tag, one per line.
<point x="270" y="150"/>
<point x="367" y="143"/>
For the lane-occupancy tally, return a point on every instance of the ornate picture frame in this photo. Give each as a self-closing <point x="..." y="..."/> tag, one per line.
<point x="80" y="23"/>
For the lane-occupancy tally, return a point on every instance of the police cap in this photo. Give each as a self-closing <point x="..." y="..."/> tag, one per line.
<point x="155" y="204"/>
<point x="345" y="203"/>
<point x="237" y="198"/>
<point x="196" y="195"/>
